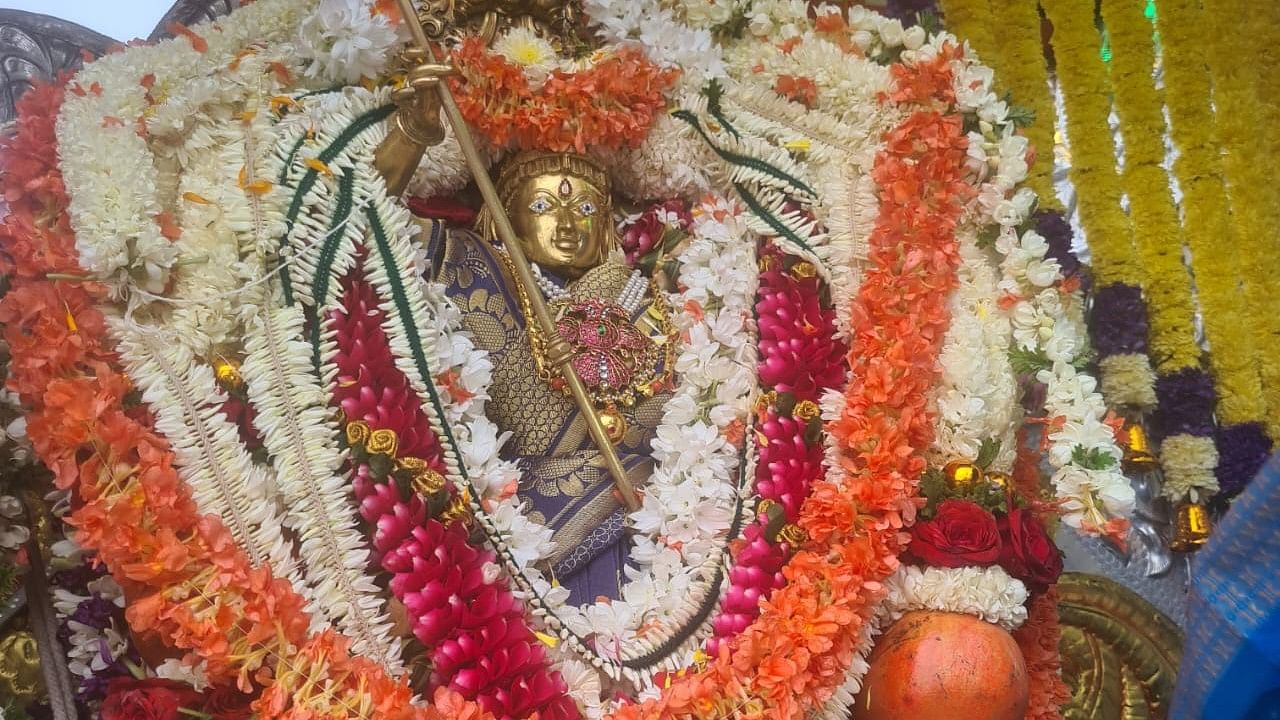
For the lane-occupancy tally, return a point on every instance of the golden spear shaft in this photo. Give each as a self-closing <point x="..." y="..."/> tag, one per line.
<point x="391" y="160"/>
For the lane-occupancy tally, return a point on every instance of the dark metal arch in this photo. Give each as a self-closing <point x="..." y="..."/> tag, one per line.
<point x="35" y="48"/>
<point x="191" y="12"/>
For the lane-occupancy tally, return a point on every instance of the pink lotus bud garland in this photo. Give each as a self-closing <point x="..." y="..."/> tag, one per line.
<point x="800" y="357"/>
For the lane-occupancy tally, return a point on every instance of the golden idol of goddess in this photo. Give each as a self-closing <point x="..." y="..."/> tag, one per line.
<point x="620" y="331"/>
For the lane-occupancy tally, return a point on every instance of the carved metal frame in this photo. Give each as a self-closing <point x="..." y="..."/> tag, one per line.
<point x="35" y="48"/>
<point x="190" y="12"/>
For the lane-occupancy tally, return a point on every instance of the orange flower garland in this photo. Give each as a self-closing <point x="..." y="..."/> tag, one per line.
<point x="610" y="104"/>
<point x="1038" y="639"/>
<point x="791" y="660"/>
<point x="188" y="583"/>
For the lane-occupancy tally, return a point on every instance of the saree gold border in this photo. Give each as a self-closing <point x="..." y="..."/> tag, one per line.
<point x="1206" y="222"/>
<point x="1120" y="654"/>
<point x="1242" y="112"/>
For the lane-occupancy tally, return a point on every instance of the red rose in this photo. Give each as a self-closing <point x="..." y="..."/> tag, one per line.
<point x="151" y="699"/>
<point x="961" y="533"/>
<point x="1028" y="552"/>
<point x="227" y="703"/>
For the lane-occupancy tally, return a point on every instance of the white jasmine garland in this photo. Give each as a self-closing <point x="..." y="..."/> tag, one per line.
<point x="672" y="162"/>
<point x="346" y="40"/>
<point x="111" y="174"/>
<point x="828" y="148"/>
<point x="976" y="396"/>
<point x="1048" y="328"/>
<point x="187" y="403"/>
<point x="666" y="41"/>
<point x="988" y="593"/>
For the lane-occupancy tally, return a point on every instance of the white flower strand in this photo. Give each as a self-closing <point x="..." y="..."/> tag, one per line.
<point x="829" y="147"/>
<point x="298" y="431"/>
<point x="976" y="396"/>
<point x="187" y="403"/>
<point x="988" y="593"/>
<point x="111" y="172"/>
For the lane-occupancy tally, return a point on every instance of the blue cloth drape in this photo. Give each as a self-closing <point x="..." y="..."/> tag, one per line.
<point x="1231" y="659"/>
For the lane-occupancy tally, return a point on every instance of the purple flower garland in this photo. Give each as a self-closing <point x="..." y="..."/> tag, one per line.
<point x="1185" y="398"/>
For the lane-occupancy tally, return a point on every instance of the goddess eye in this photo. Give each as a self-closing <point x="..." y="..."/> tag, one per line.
<point x="540" y="206"/>
<point x="587" y="208"/>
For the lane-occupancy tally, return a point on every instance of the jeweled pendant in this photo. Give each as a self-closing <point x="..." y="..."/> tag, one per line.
<point x="615" y="426"/>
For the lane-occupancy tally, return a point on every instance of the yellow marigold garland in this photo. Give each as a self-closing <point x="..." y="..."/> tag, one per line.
<point x="1188" y="460"/>
<point x="971" y="20"/>
<point x="1127" y="378"/>
<point x="1206" y="223"/>
<point x="1020" y="66"/>
<point x="1018" y="60"/>
<point x="1156" y="231"/>
<point x="1085" y="90"/>
<point x="1249" y="176"/>
<point x="1265" y="26"/>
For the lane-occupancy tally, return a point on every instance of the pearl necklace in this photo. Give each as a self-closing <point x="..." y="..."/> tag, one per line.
<point x="629" y="298"/>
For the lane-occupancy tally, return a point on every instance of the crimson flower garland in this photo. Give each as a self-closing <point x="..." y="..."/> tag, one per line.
<point x="800" y="357"/>
<point x="474" y="630"/>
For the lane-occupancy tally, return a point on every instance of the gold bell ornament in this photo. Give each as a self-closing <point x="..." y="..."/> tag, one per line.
<point x="1138" y="456"/>
<point x="1191" y="528"/>
<point x="999" y="479"/>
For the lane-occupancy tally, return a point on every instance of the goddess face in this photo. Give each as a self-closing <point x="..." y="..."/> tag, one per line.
<point x="564" y="222"/>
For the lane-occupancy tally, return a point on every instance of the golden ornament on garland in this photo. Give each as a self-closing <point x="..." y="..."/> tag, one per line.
<point x="962" y="474"/>
<point x="1138" y="456"/>
<point x="1192" y="527"/>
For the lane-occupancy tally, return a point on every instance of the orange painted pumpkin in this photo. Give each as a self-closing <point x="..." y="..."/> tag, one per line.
<point x="944" y="666"/>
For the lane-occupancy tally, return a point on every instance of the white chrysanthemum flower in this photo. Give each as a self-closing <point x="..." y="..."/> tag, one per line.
<point x="344" y="41"/>
<point x="533" y="53"/>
